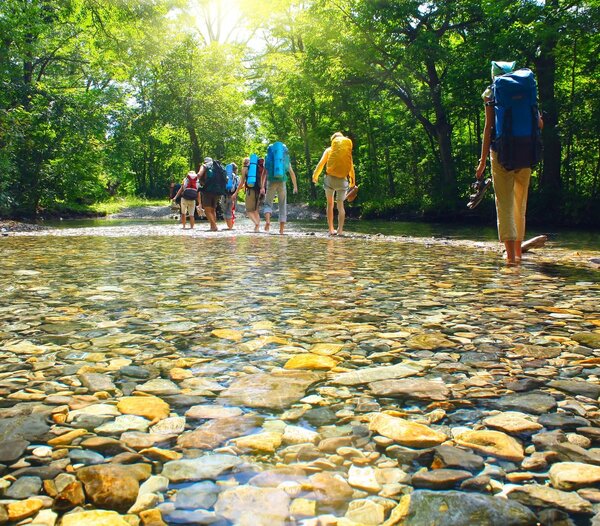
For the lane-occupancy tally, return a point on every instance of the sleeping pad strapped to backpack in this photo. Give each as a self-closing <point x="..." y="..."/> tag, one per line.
<point x="277" y="161"/>
<point x="252" y="178"/>
<point x="216" y="179"/>
<point x="517" y="139"/>
<point x="232" y="179"/>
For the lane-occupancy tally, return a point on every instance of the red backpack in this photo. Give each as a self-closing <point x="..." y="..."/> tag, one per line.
<point x="191" y="190"/>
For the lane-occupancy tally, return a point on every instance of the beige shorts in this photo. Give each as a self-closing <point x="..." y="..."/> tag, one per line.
<point x="187" y="207"/>
<point x="336" y="185"/>
<point x="253" y="200"/>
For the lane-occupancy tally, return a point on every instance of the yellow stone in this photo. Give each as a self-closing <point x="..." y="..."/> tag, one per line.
<point x="405" y="432"/>
<point x="150" y="407"/>
<point x="164" y="455"/>
<point x="493" y="443"/>
<point x="17" y="511"/>
<point x="94" y="518"/>
<point x="264" y="325"/>
<point x="266" y="442"/>
<point x="326" y="349"/>
<point x="152" y="518"/>
<point x="303" y="508"/>
<point x="67" y="438"/>
<point x="95" y="357"/>
<point x="228" y="334"/>
<point x="177" y="373"/>
<point x="442" y="285"/>
<point x="310" y="361"/>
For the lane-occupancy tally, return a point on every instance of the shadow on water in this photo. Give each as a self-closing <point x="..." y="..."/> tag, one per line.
<point x="569" y="272"/>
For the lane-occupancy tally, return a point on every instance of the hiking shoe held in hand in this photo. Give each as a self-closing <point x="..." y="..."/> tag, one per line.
<point x="479" y="187"/>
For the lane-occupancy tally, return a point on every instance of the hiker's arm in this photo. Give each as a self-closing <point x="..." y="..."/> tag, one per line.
<point x="179" y="192"/>
<point x="242" y="181"/>
<point x="540" y="121"/>
<point x="263" y="182"/>
<point x="293" y="176"/>
<point x="352" y="175"/>
<point x="320" y="166"/>
<point x="487" y="139"/>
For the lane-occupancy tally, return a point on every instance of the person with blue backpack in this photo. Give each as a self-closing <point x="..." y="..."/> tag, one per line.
<point x="512" y="137"/>
<point x="253" y="181"/>
<point x="277" y="168"/>
<point x="213" y="178"/>
<point x="231" y="187"/>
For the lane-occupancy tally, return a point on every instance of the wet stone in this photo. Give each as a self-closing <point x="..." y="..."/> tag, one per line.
<point x="12" y="450"/>
<point x="537" y="403"/>
<point x="562" y="420"/>
<point x="23" y="488"/>
<point x="439" y="478"/>
<point x="453" y="457"/>
<point x="201" y="495"/>
<point x="577" y="387"/>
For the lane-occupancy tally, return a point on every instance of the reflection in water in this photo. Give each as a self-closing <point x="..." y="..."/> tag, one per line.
<point x="204" y="313"/>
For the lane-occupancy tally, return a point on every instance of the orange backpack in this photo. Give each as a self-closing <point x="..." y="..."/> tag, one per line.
<point x="340" y="157"/>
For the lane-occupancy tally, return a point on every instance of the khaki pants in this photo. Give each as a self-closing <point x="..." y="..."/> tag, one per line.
<point x="510" y="187"/>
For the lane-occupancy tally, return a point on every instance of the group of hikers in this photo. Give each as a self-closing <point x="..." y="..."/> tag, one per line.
<point x="263" y="179"/>
<point x="512" y="138"/>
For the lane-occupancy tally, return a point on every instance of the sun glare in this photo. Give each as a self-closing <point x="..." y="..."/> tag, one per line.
<point x="221" y="20"/>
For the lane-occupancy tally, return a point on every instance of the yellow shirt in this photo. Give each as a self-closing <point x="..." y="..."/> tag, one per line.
<point x="323" y="162"/>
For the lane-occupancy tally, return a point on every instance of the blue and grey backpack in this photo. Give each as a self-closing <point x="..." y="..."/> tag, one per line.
<point x="232" y="179"/>
<point x="277" y="161"/>
<point x="517" y="138"/>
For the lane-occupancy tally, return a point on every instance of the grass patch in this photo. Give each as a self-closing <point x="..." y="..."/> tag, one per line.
<point x="121" y="203"/>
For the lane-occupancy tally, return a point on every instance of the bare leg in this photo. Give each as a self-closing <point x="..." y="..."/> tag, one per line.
<point x="255" y="218"/>
<point x="510" y="252"/>
<point x="267" y="222"/>
<point x="330" y="214"/>
<point x="281" y="228"/>
<point x="192" y="221"/>
<point x="212" y="218"/>
<point x="229" y="224"/>
<point x="518" y="254"/>
<point x="341" y="217"/>
<point x="182" y="219"/>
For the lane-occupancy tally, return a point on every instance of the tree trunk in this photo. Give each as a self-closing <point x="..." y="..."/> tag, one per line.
<point x="545" y="63"/>
<point x="390" y="171"/>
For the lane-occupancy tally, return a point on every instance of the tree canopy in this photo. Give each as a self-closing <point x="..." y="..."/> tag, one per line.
<point x="105" y="97"/>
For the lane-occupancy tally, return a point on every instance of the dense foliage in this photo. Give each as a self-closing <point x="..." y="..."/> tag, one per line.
<point x="105" y="97"/>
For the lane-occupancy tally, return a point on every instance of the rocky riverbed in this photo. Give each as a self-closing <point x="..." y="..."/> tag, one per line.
<point x="258" y="379"/>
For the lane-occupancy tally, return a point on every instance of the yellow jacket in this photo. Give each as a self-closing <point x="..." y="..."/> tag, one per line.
<point x="323" y="162"/>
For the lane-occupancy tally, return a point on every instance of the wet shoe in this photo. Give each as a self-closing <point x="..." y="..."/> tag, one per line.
<point x="479" y="187"/>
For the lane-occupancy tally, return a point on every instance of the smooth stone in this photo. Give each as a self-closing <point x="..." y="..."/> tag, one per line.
<point x="538" y="496"/>
<point x="208" y="412"/>
<point x="22" y="509"/>
<point x="453" y="457"/>
<point x="439" y="478"/>
<point x="512" y="422"/>
<point x="365" y="512"/>
<point x="373" y="374"/>
<point x="252" y="506"/>
<point x="577" y="387"/>
<point x="31" y="428"/>
<point x="535" y="402"/>
<point x="23" y="488"/>
<point x="152" y="518"/>
<point x="45" y="518"/>
<point x="154" y="484"/>
<point x="134" y="371"/>
<point x="94" y="518"/>
<point x="563" y="421"/>
<point x="277" y="390"/>
<point x="124" y="423"/>
<point x="570" y="476"/>
<point x="589" y="339"/>
<point x="193" y="517"/>
<point x="299" y="435"/>
<point x="150" y="407"/>
<point x="430" y="342"/>
<point x="159" y="387"/>
<point x="311" y="361"/>
<point x="95" y="382"/>
<point x="163" y="455"/>
<point x="94" y="410"/>
<point x="493" y="443"/>
<point x="173" y="425"/>
<point x="12" y="450"/>
<point x="137" y="440"/>
<point x="364" y="478"/>
<point x="108" y="445"/>
<point x="214" y="432"/>
<point x="453" y="508"/>
<point x="320" y="416"/>
<point x="405" y="432"/>
<point x="266" y="442"/>
<point x="574" y="453"/>
<point x="113" y="487"/>
<point x="206" y="467"/>
<point x="202" y="495"/>
<point x="66" y="438"/>
<point x="411" y="388"/>
<point x="330" y="489"/>
<point x="87" y="458"/>
<point x="536" y="351"/>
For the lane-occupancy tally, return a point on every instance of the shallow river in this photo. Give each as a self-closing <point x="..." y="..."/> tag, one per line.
<point x="258" y="379"/>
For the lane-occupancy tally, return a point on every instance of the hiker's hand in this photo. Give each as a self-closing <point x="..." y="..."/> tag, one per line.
<point x="295" y="189"/>
<point x="480" y="170"/>
<point x="262" y="191"/>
